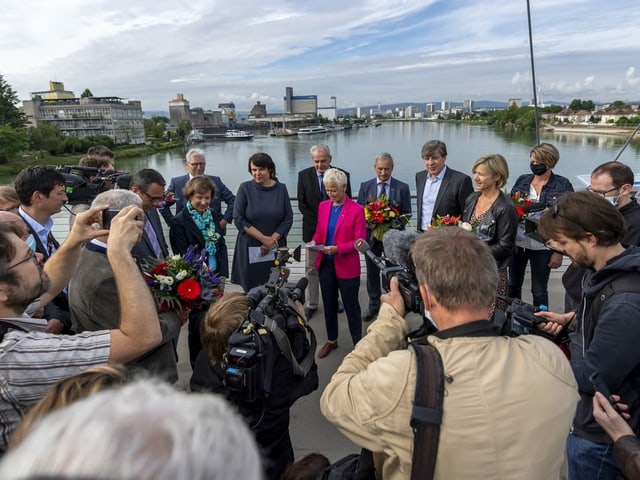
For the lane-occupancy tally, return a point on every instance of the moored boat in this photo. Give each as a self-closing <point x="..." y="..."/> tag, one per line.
<point x="238" y="135"/>
<point x="312" y="130"/>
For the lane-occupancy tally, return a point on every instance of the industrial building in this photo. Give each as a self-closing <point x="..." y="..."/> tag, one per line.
<point x="86" y="117"/>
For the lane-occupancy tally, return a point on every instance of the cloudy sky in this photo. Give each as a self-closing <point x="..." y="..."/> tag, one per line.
<point x="361" y="51"/>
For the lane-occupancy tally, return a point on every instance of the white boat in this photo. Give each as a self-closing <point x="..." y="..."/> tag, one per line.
<point x="238" y="135"/>
<point x="195" y="136"/>
<point x="312" y="130"/>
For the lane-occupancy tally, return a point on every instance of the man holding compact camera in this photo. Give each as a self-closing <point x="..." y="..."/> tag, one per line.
<point x="508" y="402"/>
<point x="93" y="294"/>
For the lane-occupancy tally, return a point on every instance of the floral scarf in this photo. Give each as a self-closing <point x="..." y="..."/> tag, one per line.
<point x="206" y="225"/>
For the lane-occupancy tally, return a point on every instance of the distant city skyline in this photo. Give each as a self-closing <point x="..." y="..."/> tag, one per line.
<point x="364" y="52"/>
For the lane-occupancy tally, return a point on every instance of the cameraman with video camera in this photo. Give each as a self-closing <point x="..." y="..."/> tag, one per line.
<point x="508" y="402"/>
<point x="266" y="412"/>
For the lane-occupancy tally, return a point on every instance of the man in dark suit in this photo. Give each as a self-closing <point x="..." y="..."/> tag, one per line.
<point x="148" y="184"/>
<point x="310" y="194"/>
<point x="196" y="164"/>
<point x="41" y="191"/>
<point x="440" y="189"/>
<point x="398" y="194"/>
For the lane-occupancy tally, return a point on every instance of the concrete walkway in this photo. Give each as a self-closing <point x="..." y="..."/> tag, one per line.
<point x="310" y="432"/>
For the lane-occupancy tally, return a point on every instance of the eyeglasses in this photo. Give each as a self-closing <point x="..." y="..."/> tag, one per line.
<point x="600" y="192"/>
<point x="30" y="256"/>
<point x="159" y="198"/>
<point x="202" y="164"/>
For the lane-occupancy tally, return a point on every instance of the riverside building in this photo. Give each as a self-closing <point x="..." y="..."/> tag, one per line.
<point x="88" y="116"/>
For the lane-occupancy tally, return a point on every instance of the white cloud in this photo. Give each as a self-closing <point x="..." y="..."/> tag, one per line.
<point x="359" y="51"/>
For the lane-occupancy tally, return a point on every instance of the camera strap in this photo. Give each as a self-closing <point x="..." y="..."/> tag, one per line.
<point x="426" y="416"/>
<point x="301" y="368"/>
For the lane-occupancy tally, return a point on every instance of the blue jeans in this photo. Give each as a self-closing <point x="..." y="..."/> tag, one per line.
<point x="330" y="285"/>
<point x="590" y="460"/>
<point x="539" y="260"/>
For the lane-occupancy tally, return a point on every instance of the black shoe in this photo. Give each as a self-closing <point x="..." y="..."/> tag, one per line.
<point x="369" y="315"/>
<point x="308" y="311"/>
<point x="340" y="306"/>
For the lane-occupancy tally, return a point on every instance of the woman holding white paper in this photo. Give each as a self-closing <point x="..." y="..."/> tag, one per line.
<point x="263" y="216"/>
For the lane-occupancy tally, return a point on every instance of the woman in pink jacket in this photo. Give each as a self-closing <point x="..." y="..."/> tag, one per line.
<point x="340" y="223"/>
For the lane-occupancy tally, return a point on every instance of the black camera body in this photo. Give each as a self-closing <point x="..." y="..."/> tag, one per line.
<point x="519" y="319"/>
<point x="408" y="284"/>
<point x="82" y="184"/>
<point x="272" y="328"/>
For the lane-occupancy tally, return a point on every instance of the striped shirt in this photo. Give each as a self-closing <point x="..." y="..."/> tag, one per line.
<point x="32" y="362"/>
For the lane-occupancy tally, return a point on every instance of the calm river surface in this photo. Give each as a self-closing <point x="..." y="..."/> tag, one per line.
<point x="355" y="151"/>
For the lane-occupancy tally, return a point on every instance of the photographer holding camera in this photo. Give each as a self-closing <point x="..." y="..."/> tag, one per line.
<point x="508" y="402"/>
<point x="268" y="413"/>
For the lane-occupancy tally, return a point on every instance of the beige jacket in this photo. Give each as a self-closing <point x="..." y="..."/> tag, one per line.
<point x="507" y="408"/>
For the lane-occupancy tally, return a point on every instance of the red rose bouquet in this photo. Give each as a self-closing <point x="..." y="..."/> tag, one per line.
<point x="183" y="282"/>
<point x="382" y="215"/>
<point x="519" y="202"/>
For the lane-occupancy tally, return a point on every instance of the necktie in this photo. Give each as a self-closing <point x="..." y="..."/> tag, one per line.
<point x="323" y="192"/>
<point x="151" y="235"/>
<point x="382" y="189"/>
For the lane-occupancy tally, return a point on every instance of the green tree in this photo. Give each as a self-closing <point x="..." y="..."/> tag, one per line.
<point x="618" y="105"/>
<point x="184" y="128"/>
<point x="46" y="138"/>
<point x="13" y="141"/>
<point x="10" y="114"/>
<point x="155" y="127"/>
<point x="86" y="93"/>
<point x="579" y="104"/>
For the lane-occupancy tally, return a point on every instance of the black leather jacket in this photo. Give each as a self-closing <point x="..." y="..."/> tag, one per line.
<point x="498" y="227"/>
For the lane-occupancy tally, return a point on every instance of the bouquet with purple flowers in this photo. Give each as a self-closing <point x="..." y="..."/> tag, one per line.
<point x="183" y="282"/>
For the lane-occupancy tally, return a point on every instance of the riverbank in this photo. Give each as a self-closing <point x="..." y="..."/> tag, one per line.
<point x="129" y="151"/>
<point x="594" y="130"/>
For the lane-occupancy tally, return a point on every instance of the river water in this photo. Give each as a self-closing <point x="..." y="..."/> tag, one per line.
<point x="355" y="151"/>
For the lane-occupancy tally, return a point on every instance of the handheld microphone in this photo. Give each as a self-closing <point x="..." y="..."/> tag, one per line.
<point x="397" y="246"/>
<point x="363" y="247"/>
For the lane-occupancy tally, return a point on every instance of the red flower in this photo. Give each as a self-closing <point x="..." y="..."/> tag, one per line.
<point x="159" y="269"/>
<point x="519" y="211"/>
<point x="188" y="290"/>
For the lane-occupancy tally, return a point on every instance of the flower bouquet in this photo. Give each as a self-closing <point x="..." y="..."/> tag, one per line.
<point x="450" y="221"/>
<point x="382" y="215"/>
<point x="519" y="202"/>
<point x="183" y="282"/>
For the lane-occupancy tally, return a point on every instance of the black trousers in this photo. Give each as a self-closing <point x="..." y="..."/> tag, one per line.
<point x="374" y="289"/>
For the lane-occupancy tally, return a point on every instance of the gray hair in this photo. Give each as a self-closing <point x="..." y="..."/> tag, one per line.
<point x="145" y="431"/>
<point x="383" y="156"/>
<point x="457" y="266"/>
<point x="335" y="176"/>
<point x="320" y="146"/>
<point x="117" y="199"/>
<point x="194" y="152"/>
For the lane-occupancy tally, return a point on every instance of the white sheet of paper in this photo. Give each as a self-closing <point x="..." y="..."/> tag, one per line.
<point x="256" y="257"/>
<point x="314" y="247"/>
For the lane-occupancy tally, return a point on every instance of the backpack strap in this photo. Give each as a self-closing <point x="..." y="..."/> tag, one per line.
<point x="426" y="416"/>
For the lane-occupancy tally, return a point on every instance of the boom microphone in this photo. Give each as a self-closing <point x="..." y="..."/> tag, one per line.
<point x="363" y="247"/>
<point x="297" y="294"/>
<point x="397" y="246"/>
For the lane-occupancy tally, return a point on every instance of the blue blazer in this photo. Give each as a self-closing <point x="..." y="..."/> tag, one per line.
<point x="223" y="194"/>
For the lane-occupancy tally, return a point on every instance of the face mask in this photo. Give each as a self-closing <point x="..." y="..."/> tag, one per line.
<point x="613" y="200"/>
<point x="31" y="242"/>
<point x="538" y="168"/>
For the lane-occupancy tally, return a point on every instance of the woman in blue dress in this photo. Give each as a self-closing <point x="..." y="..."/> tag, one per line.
<point x="263" y="216"/>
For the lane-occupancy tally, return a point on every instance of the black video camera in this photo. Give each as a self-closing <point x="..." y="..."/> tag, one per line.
<point x="405" y="274"/>
<point x="519" y="319"/>
<point x="82" y="184"/>
<point x="273" y="327"/>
